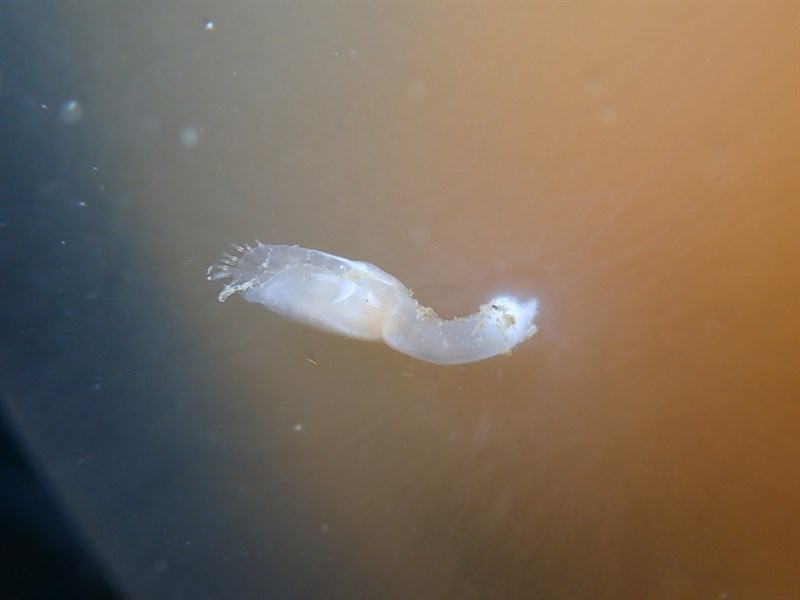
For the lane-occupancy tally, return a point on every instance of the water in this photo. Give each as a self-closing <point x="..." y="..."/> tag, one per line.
<point x="634" y="168"/>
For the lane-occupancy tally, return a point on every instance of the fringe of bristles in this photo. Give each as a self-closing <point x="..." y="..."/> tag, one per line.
<point x="222" y="269"/>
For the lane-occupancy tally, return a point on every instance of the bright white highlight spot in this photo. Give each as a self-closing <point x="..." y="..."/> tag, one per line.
<point x="71" y="112"/>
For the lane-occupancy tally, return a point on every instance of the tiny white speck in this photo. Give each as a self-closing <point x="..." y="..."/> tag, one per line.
<point x="298" y="427"/>
<point x="71" y="112"/>
<point x="82" y="204"/>
<point x="325" y="528"/>
<point x="208" y="24"/>
<point x="190" y="137"/>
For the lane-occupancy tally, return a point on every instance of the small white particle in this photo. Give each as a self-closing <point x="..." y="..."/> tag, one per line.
<point x="208" y="25"/>
<point x="298" y="427"/>
<point x="71" y="112"/>
<point x="190" y="137"/>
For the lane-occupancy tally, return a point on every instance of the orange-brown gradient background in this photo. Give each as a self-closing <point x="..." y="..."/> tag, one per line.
<point x="634" y="166"/>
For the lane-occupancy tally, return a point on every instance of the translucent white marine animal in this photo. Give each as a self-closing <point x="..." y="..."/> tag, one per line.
<point x="359" y="300"/>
